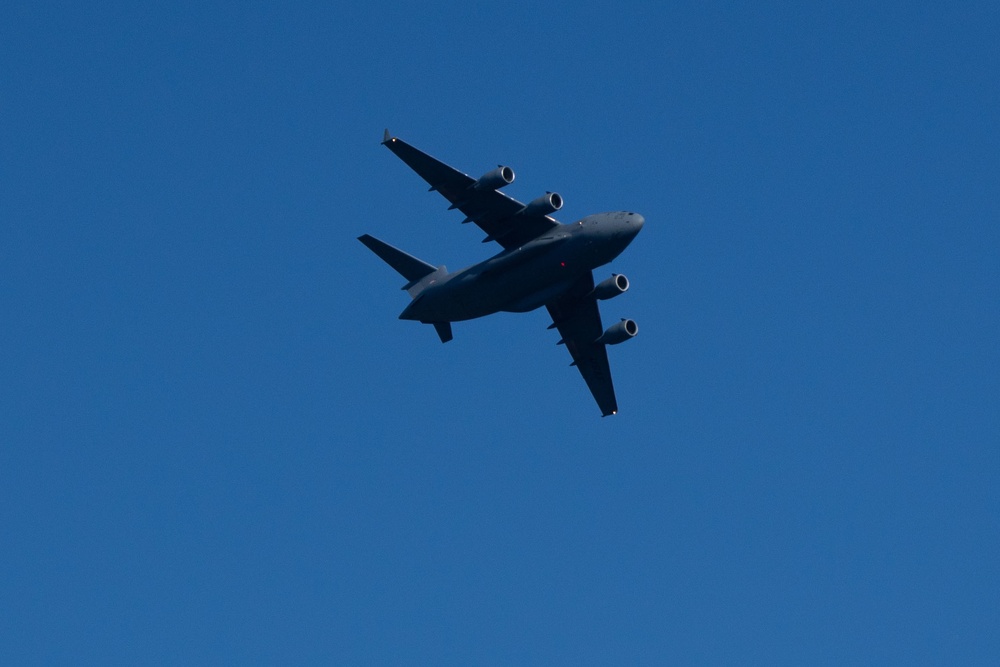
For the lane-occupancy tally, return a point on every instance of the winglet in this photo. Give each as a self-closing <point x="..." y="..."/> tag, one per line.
<point x="386" y="138"/>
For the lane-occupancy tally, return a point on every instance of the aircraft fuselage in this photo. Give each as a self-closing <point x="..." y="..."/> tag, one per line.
<point x="529" y="276"/>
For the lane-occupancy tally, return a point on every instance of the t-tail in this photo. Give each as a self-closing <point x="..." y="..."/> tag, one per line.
<point x="418" y="273"/>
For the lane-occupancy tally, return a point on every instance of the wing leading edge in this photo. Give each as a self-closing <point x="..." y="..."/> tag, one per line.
<point x="503" y="218"/>
<point x="576" y="315"/>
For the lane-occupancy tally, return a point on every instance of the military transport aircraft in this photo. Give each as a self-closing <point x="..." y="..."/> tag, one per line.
<point x="543" y="263"/>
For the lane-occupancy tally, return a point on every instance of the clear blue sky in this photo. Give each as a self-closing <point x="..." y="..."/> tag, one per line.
<point x="219" y="445"/>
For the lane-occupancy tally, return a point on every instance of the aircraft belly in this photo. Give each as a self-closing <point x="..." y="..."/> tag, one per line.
<point x="458" y="300"/>
<point x="531" y="288"/>
<point x="516" y="282"/>
<point x="519" y="289"/>
<point x="531" y="284"/>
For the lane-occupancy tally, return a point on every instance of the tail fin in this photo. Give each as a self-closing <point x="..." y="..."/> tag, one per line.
<point x="408" y="266"/>
<point x="417" y="272"/>
<point x="405" y="264"/>
<point x="443" y="331"/>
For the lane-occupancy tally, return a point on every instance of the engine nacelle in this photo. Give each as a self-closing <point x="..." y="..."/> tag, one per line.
<point x="611" y="287"/>
<point x="550" y="202"/>
<point x="494" y="180"/>
<point x="619" y="333"/>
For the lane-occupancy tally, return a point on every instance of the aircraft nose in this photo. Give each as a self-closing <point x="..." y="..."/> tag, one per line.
<point x="636" y="221"/>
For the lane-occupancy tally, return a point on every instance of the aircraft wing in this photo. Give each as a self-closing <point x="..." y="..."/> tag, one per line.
<point x="494" y="212"/>
<point x="578" y="319"/>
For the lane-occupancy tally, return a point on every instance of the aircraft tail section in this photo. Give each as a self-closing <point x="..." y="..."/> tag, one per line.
<point x="405" y="264"/>
<point x="443" y="331"/>
<point x="418" y="272"/>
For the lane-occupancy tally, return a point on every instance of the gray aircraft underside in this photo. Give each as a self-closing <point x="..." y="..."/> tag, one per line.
<point x="543" y="263"/>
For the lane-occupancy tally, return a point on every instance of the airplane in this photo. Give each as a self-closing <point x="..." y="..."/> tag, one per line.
<point x="543" y="263"/>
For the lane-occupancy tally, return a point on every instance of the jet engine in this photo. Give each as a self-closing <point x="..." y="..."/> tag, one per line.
<point x="550" y="202"/>
<point x="611" y="287"/>
<point x="494" y="180"/>
<point x="619" y="333"/>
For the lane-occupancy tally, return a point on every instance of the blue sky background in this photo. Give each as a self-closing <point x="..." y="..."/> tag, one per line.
<point x="219" y="445"/>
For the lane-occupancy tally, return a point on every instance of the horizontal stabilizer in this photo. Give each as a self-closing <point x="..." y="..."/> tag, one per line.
<point x="405" y="264"/>
<point x="443" y="331"/>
